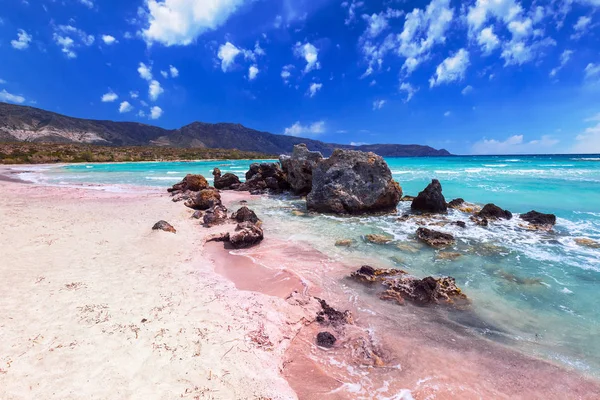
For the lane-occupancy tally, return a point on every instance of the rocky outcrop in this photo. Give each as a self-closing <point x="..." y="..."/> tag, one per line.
<point x="435" y="238"/>
<point x="368" y="274"/>
<point x="539" y="219"/>
<point x="353" y="182"/>
<point x="493" y="212"/>
<point x="164" y="226"/>
<point x="228" y="181"/>
<point x="191" y="182"/>
<point x="247" y="234"/>
<point x="244" y="214"/>
<point x="299" y="168"/>
<point x="205" y="199"/>
<point x="263" y="177"/>
<point x="330" y="316"/>
<point x="325" y="339"/>
<point x="430" y="200"/>
<point x="215" y="215"/>
<point x="456" y="203"/>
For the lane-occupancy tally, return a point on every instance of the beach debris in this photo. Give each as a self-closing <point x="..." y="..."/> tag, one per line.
<point x="215" y="215"/>
<point x="539" y="221"/>
<point x="164" y="226"/>
<point x="493" y="212"/>
<point x="325" y="339"/>
<point x="244" y="214"/>
<point x="368" y="274"/>
<point x="431" y="199"/>
<point x="447" y="255"/>
<point x="353" y="182"/>
<point x="205" y="199"/>
<point x="299" y="167"/>
<point x="263" y="177"/>
<point x="344" y="242"/>
<point x="197" y="214"/>
<point x="587" y="243"/>
<point x="191" y="182"/>
<point x="330" y="316"/>
<point x="246" y="234"/>
<point x="435" y="238"/>
<point x="407" y="198"/>
<point x="228" y="181"/>
<point x="378" y="239"/>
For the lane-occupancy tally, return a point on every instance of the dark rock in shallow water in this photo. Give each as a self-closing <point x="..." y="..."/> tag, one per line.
<point x="205" y="199"/>
<point x="460" y="224"/>
<point x="215" y="215"/>
<point x="227" y="181"/>
<point x="246" y="235"/>
<point x="431" y="199"/>
<point x="299" y="168"/>
<point x="368" y="274"/>
<point x="164" y="226"/>
<point x="353" y="182"/>
<point x="537" y="218"/>
<point x="456" y="203"/>
<point x="435" y="238"/>
<point x="325" y="339"/>
<point x="492" y="211"/>
<point x="244" y="214"/>
<point x="262" y="176"/>
<point x="195" y="183"/>
<point x="407" y="198"/>
<point x="479" y="221"/>
<point x="330" y="316"/>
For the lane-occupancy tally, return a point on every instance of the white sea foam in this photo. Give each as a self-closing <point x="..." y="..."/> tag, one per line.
<point x="495" y="165"/>
<point x="566" y="291"/>
<point x="163" y="178"/>
<point x="586" y="159"/>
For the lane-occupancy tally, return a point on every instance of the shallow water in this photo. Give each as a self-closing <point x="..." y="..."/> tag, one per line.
<point x="536" y="291"/>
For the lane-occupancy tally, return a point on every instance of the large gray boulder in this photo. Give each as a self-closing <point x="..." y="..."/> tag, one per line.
<point x="299" y="168"/>
<point x="353" y="182"/>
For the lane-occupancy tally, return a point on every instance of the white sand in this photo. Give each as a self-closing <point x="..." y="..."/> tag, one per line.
<point x="79" y="271"/>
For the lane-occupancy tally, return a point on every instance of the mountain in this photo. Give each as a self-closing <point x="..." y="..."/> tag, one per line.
<point x="29" y="124"/>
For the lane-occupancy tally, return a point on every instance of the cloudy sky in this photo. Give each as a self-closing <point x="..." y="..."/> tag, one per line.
<point x="474" y="77"/>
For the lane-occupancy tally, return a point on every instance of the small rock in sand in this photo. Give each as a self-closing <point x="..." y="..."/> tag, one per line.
<point x="164" y="226"/>
<point x="244" y="214"/>
<point x="215" y="215"/>
<point x="344" y="242"/>
<point x="378" y="239"/>
<point x="246" y="235"/>
<point x="325" y="339"/>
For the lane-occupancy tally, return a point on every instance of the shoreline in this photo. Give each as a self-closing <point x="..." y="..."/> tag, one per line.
<point x="285" y="322"/>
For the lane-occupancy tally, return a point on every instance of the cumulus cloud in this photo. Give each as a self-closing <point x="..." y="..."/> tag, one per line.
<point x="310" y="54"/>
<point x="180" y="22"/>
<point x="588" y="142"/>
<point x="488" y="41"/>
<point x="156" y="112"/>
<point x="108" y="39"/>
<point x="66" y="44"/>
<point x="409" y="89"/>
<point x="482" y="10"/>
<point x="145" y="71"/>
<point x="378" y="104"/>
<point x="227" y="54"/>
<point x="125" y="107"/>
<point x="467" y="90"/>
<point x="154" y="90"/>
<point x="314" y="88"/>
<point x="581" y="27"/>
<point x="286" y="72"/>
<point x="11" y="98"/>
<point x="592" y="72"/>
<point x="564" y="59"/>
<point x="164" y="74"/>
<point x="514" y="145"/>
<point x="451" y="69"/>
<point x="174" y="71"/>
<point x="87" y="3"/>
<point x="134" y="94"/>
<point x="68" y="38"/>
<point x="252" y="72"/>
<point x="22" y="41"/>
<point x="313" y="129"/>
<point x="109" y="97"/>
<point x="352" y="7"/>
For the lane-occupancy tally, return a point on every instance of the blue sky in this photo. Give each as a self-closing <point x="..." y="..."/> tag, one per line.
<point x="482" y="76"/>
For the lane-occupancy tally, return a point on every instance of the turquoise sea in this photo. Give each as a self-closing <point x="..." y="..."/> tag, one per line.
<point x="539" y="291"/>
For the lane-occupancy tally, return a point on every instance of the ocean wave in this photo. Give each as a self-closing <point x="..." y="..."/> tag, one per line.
<point x="586" y="159"/>
<point x="513" y="160"/>
<point x="163" y="178"/>
<point x="495" y="165"/>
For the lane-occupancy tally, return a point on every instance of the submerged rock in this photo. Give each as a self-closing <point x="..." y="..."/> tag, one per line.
<point x="164" y="226"/>
<point x="246" y="235"/>
<point x="353" y="182"/>
<point x="378" y="239"/>
<point x="447" y="255"/>
<point x="435" y="238"/>
<point x="368" y="274"/>
<point x="191" y="182"/>
<point x="205" y="199"/>
<point x="325" y="339"/>
<point x="431" y="199"/>
<point x="344" y="242"/>
<point x="215" y="215"/>
<point x="539" y="219"/>
<point x="492" y="211"/>
<point x="460" y="224"/>
<point x="225" y="182"/>
<point x="480" y="221"/>
<point x="330" y="316"/>
<point x="587" y="243"/>
<point x="299" y="168"/>
<point x="244" y="214"/>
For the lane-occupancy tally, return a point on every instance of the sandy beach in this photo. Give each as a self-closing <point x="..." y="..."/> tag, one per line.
<point x="97" y="305"/>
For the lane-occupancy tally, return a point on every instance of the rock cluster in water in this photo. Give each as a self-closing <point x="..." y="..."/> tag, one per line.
<point x="299" y="168"/>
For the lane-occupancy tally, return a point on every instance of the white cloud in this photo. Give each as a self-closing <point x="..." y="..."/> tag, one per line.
<point x="108" y="39"/>
<point x="352" y="7"/>
<point x="180" y="22"/>
<point x="358" y="143"/>
<point x="66" y="44"/>
<point x="505" y="10"/>
<point x="519" y="52"/>
<point x="376" y="23"/>
<point x="63" y="37"/>
<point x="467" y="90"/>
<point x="252" y="72"/>
<point x="313" y="129"/>
<point x="22" y="41"/>
<point x="134" y="95"/>
<point x="488" y="40"/>
<point x="2" y="81"/>
<point x="277" y="22"/>
<point x="378" y="104"/>
<point x="310" y="54"/>
<point x="125" y="107"/>
<point x="259" y="51"/>
<point x="451" y="69"/>
<point x="314" y="88"/>
<point x="588" y="142"/>
<point x="447" y="114"/>
<point x="174" y="71"/>
<point x="227" y="54"/>
<point x="164" y="74"/>
<point x="154" y="90"/>
<point x="109" y="97"/>
<point x="156" y="112"/>
<point x="88" y="3"/>
<point x="592" y="71"/>
<point x="141" y="114"/>
<point x="520" y="29"/>
<point x="285" y="72"/>
<point x="145" y="71"/>
<point x="11" y="98"/>
<point x="409" y="89"/>
<point x="514" y="145"/>
<point x="581" y="27"/>
<point x="564" y="59"/>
